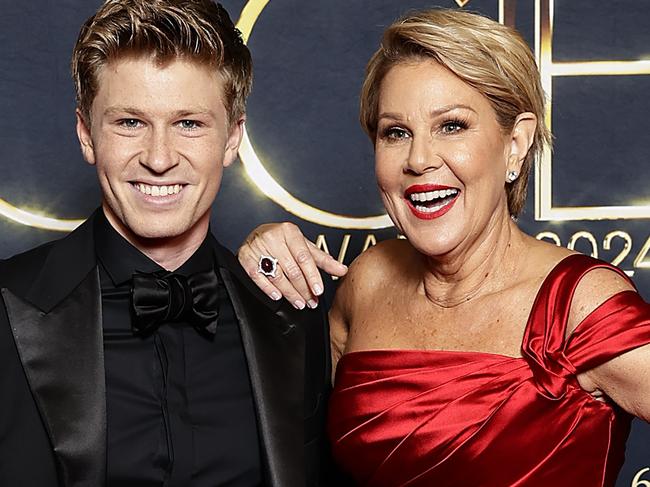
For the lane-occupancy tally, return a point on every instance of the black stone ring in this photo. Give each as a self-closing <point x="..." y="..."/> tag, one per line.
<point x="267" y="266"/>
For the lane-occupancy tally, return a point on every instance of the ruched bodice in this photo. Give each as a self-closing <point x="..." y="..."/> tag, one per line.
<point x="453" y="418"/>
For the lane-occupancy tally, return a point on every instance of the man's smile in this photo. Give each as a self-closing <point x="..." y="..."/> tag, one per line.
<point x="158" y="190"/>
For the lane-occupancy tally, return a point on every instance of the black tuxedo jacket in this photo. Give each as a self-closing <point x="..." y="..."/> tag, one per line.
<point x="52" y="388"/>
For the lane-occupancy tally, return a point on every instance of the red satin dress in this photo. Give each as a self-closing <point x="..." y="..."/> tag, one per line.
<point x="440" y="418"/>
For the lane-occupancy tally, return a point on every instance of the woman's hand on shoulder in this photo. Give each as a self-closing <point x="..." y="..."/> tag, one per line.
<point x="625" y="379"/>
<point x="297" y="278"/>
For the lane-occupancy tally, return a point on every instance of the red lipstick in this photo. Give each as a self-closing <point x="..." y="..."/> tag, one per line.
<point x="424" y="188"/>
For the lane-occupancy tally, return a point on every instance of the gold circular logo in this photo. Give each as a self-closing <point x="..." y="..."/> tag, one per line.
<point x="261" y="178"/>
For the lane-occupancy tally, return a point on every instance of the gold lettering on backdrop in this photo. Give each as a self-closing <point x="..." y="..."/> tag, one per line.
<point x="549" y="236"/>
<point x="640" y="261"/>
<point x="627" y="245"/>
<point x="321" y="243"/>
<point x="544" y="209"/>
<point x="344" y="248"/>
<point x="587" y="236"/>
<point x="618" y="241"/>
<point x="637" y="481"/>
<point x="370" y="241"/>
<point x="507" y="12"/>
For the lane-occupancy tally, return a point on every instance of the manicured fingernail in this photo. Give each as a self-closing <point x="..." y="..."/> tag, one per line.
<point x="299" y="304"/>
<point x="318" y="289"/>
<point x="312" y="303"/>
<point x="275" y="296"/>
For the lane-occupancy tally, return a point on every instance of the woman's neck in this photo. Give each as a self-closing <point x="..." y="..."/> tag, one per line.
<point x="485" y="266"/>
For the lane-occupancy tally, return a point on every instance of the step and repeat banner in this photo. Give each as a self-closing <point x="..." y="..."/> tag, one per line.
<point x="305" y="158"/>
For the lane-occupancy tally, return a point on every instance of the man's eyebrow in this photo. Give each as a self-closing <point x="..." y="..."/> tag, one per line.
<point x="177" y="114"/>
<point x="123" y="109"/>
<point x="193" y="112"/>
<point x="433" y="113"/>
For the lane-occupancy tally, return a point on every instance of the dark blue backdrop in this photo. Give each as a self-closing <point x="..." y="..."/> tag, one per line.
<point x="309" y="58"/>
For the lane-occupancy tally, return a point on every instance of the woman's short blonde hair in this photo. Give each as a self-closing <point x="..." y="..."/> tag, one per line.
<point x="197" y="30"/>
<point x="488" y="56"/>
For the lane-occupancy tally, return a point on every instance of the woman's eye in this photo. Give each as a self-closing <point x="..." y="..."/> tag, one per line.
<point x="452" y="127"/>
<point x="395" y="133"/>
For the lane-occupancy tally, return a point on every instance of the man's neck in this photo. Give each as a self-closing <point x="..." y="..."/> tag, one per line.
<point x="171" y="253"/>
<point x="168" y="252"/>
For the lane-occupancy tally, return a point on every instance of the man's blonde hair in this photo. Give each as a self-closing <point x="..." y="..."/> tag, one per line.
<point x="488" y="56"/>
<point x="195" y="30"/>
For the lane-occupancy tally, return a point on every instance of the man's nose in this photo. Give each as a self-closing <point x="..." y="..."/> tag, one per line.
<point x="159" y="155"/>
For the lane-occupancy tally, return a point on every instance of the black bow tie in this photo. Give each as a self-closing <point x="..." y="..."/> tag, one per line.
<point x="167" y="297"/>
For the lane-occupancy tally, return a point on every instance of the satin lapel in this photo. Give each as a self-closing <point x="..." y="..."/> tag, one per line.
<point x="275" y="351"/>
<point x="68" y="262"/>
<point x="62" y="354"/>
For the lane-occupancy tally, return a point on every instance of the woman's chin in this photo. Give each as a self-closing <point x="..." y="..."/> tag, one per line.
<point x="435" y="247"/>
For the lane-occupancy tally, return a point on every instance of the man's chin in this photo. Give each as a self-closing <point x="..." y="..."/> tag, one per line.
<point x="156" y="232"/>
<point x="137" y="229"/>
<point x="148" y="227"/>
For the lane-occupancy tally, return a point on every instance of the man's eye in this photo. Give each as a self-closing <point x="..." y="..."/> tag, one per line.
<point x="130" y="123"/>
<point x="189" y="124"/>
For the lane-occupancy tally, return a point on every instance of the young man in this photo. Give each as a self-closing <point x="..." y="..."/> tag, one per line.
<point x="136" y="351"/>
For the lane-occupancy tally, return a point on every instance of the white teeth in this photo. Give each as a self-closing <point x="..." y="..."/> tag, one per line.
<point x="432" y="195"/>
<point x="158" y="190"/>
<point x="426" y="209"/>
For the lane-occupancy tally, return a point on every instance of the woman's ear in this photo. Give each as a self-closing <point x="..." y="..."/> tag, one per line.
<point x="521" y="139"/>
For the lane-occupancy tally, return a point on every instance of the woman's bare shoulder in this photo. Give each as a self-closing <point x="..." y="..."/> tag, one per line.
<point x="382" y="263"/>
<point x="376" y="269"/>
<point x="595" y="287"/>
<point x="371" y="277"/>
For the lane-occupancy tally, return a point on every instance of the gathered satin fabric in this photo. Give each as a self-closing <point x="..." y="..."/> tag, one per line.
<point x="454" y="418"/>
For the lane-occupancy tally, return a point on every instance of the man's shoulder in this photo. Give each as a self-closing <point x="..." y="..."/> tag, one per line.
<point x="26" y="264"/>
<point x="65" y="257"/>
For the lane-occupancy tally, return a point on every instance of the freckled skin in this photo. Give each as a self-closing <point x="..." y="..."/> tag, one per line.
<point x="156" y="125"/>
<point x="430" y="146"/>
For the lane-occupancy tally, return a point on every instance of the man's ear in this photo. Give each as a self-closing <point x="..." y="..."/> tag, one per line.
<point x="234" y="141"/>
<point x="521" y="139"/>
<point x="85" y="141"/>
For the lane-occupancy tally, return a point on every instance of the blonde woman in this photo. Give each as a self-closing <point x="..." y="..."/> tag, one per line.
<point x="470" y="353"/>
